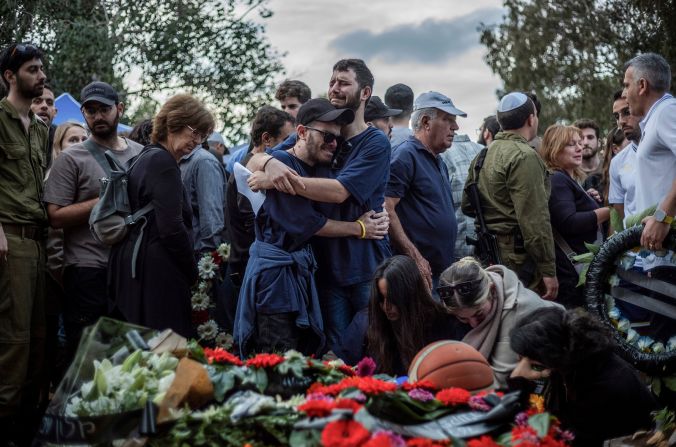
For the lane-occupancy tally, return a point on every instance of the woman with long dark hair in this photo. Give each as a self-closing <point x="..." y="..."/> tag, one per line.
<point x="403" y="316"/>
<point x="594" y="392"/>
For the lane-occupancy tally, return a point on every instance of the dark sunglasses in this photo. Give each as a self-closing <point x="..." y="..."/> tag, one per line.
<point x="465" y="289"/>
<point x="328" y="136"/>
<point x="22" y="48"/>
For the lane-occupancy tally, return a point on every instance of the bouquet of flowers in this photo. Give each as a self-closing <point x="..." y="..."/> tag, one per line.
<point x="209" y="267"/>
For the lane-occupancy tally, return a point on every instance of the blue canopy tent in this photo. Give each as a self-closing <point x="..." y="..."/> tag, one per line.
<point x="69" y="110"/>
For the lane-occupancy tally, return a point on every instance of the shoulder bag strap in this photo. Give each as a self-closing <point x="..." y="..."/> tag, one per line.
<point x="98" y="156"/>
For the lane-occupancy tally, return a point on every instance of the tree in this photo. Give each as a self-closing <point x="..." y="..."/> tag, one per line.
<point x="210" y="48"/>
<point x="572" y="53"/>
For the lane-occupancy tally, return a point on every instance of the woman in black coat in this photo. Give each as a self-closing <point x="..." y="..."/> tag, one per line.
<point x="152" y="287"/>
<point x="575" y="216"/>
<point x="595" y="393"/>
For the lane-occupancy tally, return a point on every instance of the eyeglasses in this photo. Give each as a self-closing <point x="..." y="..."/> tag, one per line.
<point x="91" y="112"/>
<point x="328" y="136"/>
<point x="465" y="289"/>
<point x="198" y="134"/>
<point x="22" y="49"/>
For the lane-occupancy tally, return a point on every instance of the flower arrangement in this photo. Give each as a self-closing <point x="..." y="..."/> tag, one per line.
<point x="201" y="300"/>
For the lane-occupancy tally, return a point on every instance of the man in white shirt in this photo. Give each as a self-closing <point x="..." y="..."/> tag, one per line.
<point x="622" y="191"/>
<point x="647" y="80"/>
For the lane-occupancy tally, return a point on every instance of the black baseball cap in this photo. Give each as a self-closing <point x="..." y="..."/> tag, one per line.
<point x="101" y="92"/>
<point x="321" y="109"/>
<point x="377" y="109"/>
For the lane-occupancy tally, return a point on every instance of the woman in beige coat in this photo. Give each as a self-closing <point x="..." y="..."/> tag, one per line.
<point x="490" y="300"/>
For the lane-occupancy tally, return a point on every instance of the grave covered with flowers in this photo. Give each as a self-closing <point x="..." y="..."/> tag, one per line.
<point x="156" y="388"/>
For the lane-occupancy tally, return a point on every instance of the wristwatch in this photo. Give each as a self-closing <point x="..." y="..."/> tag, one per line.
<point x="661" y="216"/>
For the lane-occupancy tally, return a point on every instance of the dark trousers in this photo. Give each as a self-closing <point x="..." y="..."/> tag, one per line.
<point x="86" y="300"/>
<point x="277" y="332"/>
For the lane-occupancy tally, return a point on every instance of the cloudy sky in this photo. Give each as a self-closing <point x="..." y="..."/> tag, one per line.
<point x="431" y="45"/>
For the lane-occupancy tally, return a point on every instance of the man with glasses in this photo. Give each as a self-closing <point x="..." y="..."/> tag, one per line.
<point x="278" y="305"/>
<point x="71" y="191"/>
<point x="353" y="184"/>
<point x="23" y="221"/>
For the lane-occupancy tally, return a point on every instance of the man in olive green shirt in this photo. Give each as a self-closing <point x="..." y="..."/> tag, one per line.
<point x="23" y="157"/>
<point x="514" y="191"/>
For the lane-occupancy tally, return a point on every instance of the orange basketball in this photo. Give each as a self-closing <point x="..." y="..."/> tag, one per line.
<point x="449" y="363"/>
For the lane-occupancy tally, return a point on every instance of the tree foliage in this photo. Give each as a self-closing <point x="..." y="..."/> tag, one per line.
<point x="572" y="53"/>
<point x="154" y="48"/>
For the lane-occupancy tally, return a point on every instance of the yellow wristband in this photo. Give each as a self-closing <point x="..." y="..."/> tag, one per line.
<point x="363" y="229"/>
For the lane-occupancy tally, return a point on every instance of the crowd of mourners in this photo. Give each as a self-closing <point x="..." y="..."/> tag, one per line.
<point x="351" y="229"/>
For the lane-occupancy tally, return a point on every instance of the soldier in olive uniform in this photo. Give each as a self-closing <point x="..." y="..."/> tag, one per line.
<point x="514" y="191"/>
<point x="23" y="220"/>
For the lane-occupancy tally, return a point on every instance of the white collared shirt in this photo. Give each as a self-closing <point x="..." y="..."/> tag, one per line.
<point x="623" y="179"/>
<point x="656" y="153"/>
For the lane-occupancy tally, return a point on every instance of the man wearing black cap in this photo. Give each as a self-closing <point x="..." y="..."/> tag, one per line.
<point x="71" y="191"/>
<point x="278" y="305"/>
<point x="23" y="147"/>
<point x="400" y="96"/>
<point x="378" y="115"/>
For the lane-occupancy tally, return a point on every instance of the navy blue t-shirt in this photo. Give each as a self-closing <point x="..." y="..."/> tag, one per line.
<point x="364" y="172"/>
<point x="287" y="221"/>
<point x="420" y="180"/>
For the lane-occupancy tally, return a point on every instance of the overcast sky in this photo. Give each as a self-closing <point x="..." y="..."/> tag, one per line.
<point x="430" y="45"/>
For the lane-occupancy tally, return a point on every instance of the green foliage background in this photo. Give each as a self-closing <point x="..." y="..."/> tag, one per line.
<point x="572" y="53"/>
<point x="210" y="48"/>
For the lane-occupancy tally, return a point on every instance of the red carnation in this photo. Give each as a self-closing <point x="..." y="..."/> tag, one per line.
<point x="317" y="408"/>
<point x="344" y="433"/>
<point x="484" y="441"/>
<point x="348" y="404"/>
<point x="453" y="396"/>
<point x="347" y="370"/>
<point x="216" y="257"/>
<point x="525" y="436"/>
<point x="264" y="361"/>
<point x="424" y="384"/>
<point x="220" y="355"/>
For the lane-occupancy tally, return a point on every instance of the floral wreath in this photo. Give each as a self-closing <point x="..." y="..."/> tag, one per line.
<point x="202" y="302"/>
<point x="648" y="355"/>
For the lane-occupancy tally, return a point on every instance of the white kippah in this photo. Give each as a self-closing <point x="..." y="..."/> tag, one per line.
<point x="511" y="101"/>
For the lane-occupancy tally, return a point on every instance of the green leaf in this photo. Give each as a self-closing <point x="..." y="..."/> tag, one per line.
<point x="261" y="379"/>
<point x="583" y="276"/>
<point x="616" y="222"/>
<point x="584" y="257"/>
<point x="593" y="248"/>
<point x="223" y="382"/>
<point x="504" y="439"/>
<point x="656" y="385"/>
<point x="670" y="382"/>
<point x="540" y="423"/>
<point x="131" y="360"/>
<point x="100" y="382"/>
<point x="305" y="438"/>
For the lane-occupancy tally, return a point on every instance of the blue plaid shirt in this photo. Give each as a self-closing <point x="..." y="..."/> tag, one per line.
<point x="457" y="159"/>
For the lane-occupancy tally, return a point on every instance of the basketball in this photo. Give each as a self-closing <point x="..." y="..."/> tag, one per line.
<point x="449" y="363"/>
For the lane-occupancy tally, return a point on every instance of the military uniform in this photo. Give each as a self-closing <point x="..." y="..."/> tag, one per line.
<point x="514" y="190"/>
<point x="23" y="159"/>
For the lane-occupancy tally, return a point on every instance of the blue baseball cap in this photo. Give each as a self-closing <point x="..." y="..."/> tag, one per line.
<point x="216" y="138"/>
<point x="437" y="101"/>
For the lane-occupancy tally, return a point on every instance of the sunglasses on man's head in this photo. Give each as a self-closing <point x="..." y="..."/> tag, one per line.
<point x="328" y="136"/>
<point x="22" y="48"/>
<point x="465" y="289"/>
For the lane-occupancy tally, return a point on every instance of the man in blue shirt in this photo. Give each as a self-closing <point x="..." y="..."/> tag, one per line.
<point x="419" y="198"/>
<point x="354" y="184"/>
<point x="278" y="306"/>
